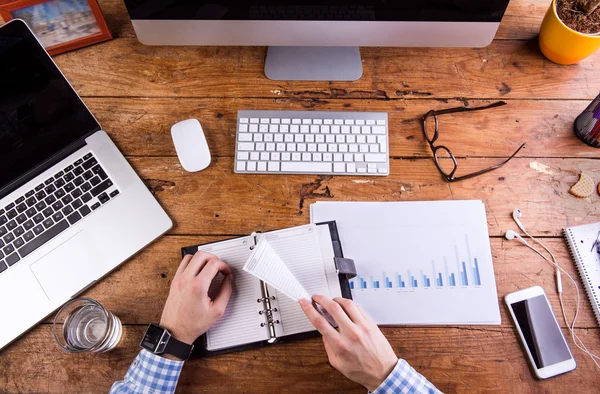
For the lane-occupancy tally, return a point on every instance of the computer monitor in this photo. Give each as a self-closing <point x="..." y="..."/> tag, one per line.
<point x="317" y="40"/>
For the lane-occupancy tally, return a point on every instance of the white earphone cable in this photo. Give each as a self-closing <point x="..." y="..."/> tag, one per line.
<point x="576" y="340"/>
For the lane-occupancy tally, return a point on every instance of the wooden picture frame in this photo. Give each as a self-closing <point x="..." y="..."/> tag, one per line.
<point x="57" y="35"/>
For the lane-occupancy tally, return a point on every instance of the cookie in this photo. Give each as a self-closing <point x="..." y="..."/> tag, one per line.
<point x="584" y="186"/>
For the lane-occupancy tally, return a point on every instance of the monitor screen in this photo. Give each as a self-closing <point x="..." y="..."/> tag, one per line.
<point x="40" y="114"/>
<point x="379" y="10"/>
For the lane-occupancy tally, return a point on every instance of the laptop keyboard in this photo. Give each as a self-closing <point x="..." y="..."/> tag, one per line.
<point x="52" y="207"/>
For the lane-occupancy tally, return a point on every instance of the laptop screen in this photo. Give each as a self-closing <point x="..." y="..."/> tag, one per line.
<point x="40" y="114"/>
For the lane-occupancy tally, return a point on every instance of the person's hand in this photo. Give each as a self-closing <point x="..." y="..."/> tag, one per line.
<point x="357" y="348"/>
<point x="189" y="312"/>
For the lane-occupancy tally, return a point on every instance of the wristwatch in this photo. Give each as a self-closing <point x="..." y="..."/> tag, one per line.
<point x="158" y="340"/>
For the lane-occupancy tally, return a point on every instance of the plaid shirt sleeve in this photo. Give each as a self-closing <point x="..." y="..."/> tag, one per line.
<point x="404" y="379"/>
<point x="149" y="374"/>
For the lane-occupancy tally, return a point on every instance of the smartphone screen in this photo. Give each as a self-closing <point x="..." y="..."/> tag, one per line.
<point x="542" y="335"/>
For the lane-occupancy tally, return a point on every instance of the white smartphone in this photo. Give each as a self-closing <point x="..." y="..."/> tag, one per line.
<point x="544" y="342"/>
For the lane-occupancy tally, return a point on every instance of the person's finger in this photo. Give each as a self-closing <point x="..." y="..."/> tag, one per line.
<point x="317" y="320"/>
<point x="351" y="310"/>
<point x="198" y="262"/>
<point x="221" y="300"/>
<point x="184" y="263"/>
<point x="334" y="309"/>
<point x="211" y="269"/>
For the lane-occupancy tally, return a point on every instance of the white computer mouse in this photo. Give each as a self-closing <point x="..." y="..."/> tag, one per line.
<point x="190" y="144"/>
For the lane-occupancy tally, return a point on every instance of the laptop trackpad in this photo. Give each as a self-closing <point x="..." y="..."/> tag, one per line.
<point x="69" y="268"/>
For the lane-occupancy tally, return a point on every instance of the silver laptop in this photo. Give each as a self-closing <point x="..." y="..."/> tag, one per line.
<point x="71" y="207"/>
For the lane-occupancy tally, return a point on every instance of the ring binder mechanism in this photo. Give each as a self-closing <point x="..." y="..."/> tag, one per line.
<point x="268" y="312"/>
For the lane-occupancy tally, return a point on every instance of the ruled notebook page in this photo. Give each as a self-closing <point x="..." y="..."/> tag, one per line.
<point x="241" y="323"/>
<point x="308" y="253"/>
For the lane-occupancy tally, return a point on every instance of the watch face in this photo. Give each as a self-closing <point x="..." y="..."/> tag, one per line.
<point x="152" y="337"/>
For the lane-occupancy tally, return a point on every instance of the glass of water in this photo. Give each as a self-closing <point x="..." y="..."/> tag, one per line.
<point x="83" y="325"/>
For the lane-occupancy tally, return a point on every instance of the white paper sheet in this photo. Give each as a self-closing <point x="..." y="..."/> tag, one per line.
<point x="265" y="264"/>
<point x="418" y="262"/>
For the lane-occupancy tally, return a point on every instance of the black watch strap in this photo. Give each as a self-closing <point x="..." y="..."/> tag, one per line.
<point x="178" y="349"/>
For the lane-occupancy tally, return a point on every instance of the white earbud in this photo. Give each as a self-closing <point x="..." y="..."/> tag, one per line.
<point x="510" y="234"/>
<point x="516" y="215"/>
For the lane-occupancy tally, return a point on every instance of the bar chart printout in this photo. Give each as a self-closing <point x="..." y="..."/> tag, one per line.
<point x="418" y="262"/>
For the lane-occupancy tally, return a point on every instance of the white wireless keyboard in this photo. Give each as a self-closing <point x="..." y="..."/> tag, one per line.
<point x="312" y="142"/>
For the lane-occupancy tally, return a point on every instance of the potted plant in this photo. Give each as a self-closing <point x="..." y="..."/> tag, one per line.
<point x="570" y="31"/>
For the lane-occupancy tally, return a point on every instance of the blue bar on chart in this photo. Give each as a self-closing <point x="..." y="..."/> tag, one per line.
<point x="452" y="280"/>
<point x="476" y="273"/>
<point x="465" y="279"/>
<point x="363" y="284"/>
<point x="351" y="285"/>
<point x="439" y="280"/>
<point x="414" y="281"/>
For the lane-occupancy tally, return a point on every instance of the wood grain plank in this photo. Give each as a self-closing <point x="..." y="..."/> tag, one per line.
<point x="217" y="201"/>
<point x="141" y="127"/>
<point x="521" y="21"/>
<point x="137" y="291"/>
<point x="507" y="69"/>
<point x="488" y="360"/>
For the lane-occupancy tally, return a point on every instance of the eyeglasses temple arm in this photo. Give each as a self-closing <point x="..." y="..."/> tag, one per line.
<point x="460" y="178"/>
<point x="467" y="109"/>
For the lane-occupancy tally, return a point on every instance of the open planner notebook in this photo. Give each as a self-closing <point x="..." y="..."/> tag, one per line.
<point x="258" y="314"/>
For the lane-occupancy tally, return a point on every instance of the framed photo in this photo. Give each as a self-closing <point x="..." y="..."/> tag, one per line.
<point x="60" y="25"/>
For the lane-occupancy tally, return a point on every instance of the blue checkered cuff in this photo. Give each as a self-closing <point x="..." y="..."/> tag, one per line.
<point x="404" y="379"/>
<point x="149" y="374"/>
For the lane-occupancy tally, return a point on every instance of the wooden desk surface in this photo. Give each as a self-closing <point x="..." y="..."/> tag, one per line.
<point x="137" y="92"/>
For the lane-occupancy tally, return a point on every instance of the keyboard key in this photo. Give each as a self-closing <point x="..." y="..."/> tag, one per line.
<point x="95" y="180"/>
<point x="50" y="189"/>
<point x="48" y="181"/>
<point x="38" y="229"/>
<point x="89" y="164"/>
<point x="69" y="177"/>
<point x="3" y="231"/>
<point x="28" y="225"/>
<point x="86" y="197"/>
<point x="77" y="204"/>
<point x="85" y="210"/>
<point x="48" y="223"/>
<point x="11" y="214"/>
<point x="3" y="220"/>
<point x="43" y="238"/>
<point x="95" y="206"/>
<point x="69" y="187"/>
<point x="40" y="195"/>
<point x="8" y="238"/>
<point x="74" y="218"/>
<point x="38" y="218"/>
<point x="101" y="187"/>
<point x="59" y="175"/>
<point x="47" y="212"/>
<point x="67" y="200"/>
<point x="306" y="167"/>
<point x="60" y="183"/>
<point x="8" y="249"/>
<point x="20" y="200"/>
<point x="273" y="166"/>
<point x="103" y="198"/>
<point x="68" y="168"/>
<point x="11" y="225"/>
<point x="18" y="231"/>
<point x="2" y="265"/>
<point x="30" y="212"/>
<point x="86" y="187"/>
<point x="21" y="207"/>
<point x="376" y="158"/>
<point x="57" y="205"/>
<point x="18" y="243"/>
<point x="78" y="181"/>
<point x="78" y="162"/>
<point x="39" y="187"/>
<point x="30" y="201"/>
<point x="21" y="218"/>
<point x="87" y="175"/>
<point x="68" y="210"/>
<point x="76" y="193"/>
<point x="88" y="156"/>
<point x="13" y="258"/>
<point x="57" y="216"/>
<point x="78" y="171"/>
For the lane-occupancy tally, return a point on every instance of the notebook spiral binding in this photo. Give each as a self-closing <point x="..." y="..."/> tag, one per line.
<point x="591" y="292"/>
<point x="268" y="309"/>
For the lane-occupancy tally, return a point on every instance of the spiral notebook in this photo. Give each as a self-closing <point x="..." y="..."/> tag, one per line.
<point x="584" y="249"/>
<point x="258" y="314"/>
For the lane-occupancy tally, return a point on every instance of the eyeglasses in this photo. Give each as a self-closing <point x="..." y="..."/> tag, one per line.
<point x="444" y="159"/>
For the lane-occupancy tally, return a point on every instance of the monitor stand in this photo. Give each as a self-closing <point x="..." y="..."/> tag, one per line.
<point x="313" y="64"/>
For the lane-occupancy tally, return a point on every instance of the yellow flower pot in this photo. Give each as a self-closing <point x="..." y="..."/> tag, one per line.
<point x="562" y="44"/>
